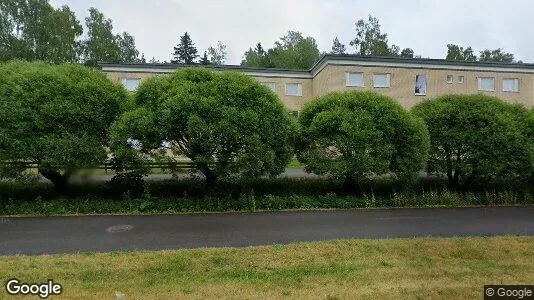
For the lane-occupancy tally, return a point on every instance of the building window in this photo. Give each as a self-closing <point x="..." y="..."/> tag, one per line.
<point x="294" y="89"/>
<point x="381" y="80"/>
<point x="461" y="79"/>
<point x="449" y="79"/>
<point x="420" y="85"/>
<point x="130" y="84"/>
<point x="270" y="85"/>
<point x="510" y="85"/>
<point x="355" y="79"/>
<point x="486" y="84"/>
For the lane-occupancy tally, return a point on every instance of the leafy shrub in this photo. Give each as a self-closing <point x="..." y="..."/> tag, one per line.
<point x="227" y="123"/>
<point x="56" y="117"/>
<point x="127" y="183"/>
<point x="354" y="135"/>
<point x="478" y="137"/>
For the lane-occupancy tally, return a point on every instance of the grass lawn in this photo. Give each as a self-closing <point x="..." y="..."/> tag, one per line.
<point x="373" y="269"/>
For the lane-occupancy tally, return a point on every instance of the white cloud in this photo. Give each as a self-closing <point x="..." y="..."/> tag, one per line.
<point x="425" y="26"/>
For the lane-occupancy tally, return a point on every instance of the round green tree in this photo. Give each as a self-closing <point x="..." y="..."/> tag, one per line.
<point x="357" y="134"/>
<point x="477" y="137"/>
<point x="55" y="117"/>
<point x="227" y="123"/>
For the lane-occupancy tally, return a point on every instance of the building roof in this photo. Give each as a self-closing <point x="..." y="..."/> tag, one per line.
<point x="335" y="59"/>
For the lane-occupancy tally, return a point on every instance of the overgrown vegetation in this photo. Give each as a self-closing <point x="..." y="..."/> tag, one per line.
<point x="176" y="196"/>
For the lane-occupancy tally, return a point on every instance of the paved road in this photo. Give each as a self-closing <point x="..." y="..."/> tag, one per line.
<point x="38" y="235"/>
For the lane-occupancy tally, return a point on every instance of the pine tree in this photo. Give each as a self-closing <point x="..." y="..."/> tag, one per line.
<point x="337" y="47"/>
<point x="204" y="60"/>
<point x="185" y="51"/>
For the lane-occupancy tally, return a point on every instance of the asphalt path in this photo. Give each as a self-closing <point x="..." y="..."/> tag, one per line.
<point x="72" y="234"/>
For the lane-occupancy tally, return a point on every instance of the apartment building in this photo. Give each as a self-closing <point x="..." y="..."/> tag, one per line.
<point x="407" y="80"/>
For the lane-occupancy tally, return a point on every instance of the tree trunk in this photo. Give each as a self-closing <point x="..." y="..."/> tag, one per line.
<point x="60" y="181"/>
<point x="211" y="177"/>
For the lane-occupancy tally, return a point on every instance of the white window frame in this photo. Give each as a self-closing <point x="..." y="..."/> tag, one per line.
<point x="125" y="79"/>
<point x="480" y="84"/>
<point x="299" y="89"/>
<point x="347" y="79"/>
<point x="510" y="91"/>
<point x="426" y="84"/>
<point x="462" y="77"/>
<point x="270" y="85"/>
<point x="388" y="80"/>
<point x="450" y="79"/>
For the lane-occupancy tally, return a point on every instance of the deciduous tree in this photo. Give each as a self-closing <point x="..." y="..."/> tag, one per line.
<point x="478" y="137"/>
<point x="56" y="117"/>
<point x="218" y="53"/>
<point x="357" y="134"/>
<point x="227" y="123"/>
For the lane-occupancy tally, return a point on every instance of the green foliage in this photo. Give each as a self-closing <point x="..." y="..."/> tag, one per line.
<point x="34" y="30"/>
<point x="497" y="55"/>
<point x="337" y="47"/>
<point x="185" y="52"/>
<point x="204" y="60"/>
<point x="407" y="53"/>
<point x="127" y="50"/>
<point x="475" y="137"/>
<point x="217" y="54"/>
<point x="102" y="45"/>
<point x="358" y="134"/>
<point x="455" y="52"/>
<point x="131" y="196"/>
<point x="227" y="123"/>
<point x="293" y="51"/>
<point x="56" y="116"/>
<point x="370" y="40"/>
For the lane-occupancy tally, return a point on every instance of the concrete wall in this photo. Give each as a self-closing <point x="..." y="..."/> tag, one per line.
<point x="293" y="103"/>
<point x="333" y="78"/>
<point x="402" y="88"/>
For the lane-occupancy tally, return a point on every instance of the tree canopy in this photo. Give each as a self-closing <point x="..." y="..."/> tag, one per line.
<point x="292" y="51"/>
<point x="357" y="134"/>
<point x="34" y="30"/>
<point x="56" y="117"/>
<point x="337" y="47"/>
<point x="227" y="123"/>
<point x="455" y="52"/>
<point x="185" y="52"/>
<point x="477" y="137"/>
<point x="370" y="40"/>
<point x="218" y="53"/>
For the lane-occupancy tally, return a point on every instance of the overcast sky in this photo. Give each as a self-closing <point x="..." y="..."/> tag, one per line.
<point x="425" y="26"/>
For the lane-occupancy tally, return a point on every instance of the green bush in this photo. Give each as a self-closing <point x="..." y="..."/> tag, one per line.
<point x="227" y="123"/>
<point x="56" y="117"/>
<point x="354" y="135"/>
<point x="478" y="137"/>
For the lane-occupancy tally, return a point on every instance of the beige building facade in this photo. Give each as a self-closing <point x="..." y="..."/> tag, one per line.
<point x="407" y="80"/>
